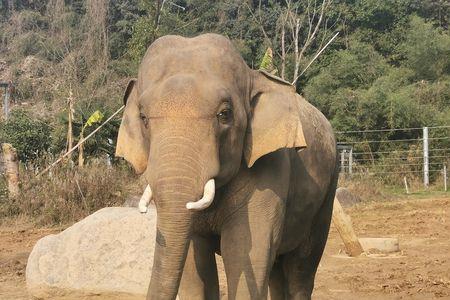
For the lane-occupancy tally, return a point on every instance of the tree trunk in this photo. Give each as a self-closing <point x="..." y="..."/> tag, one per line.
<point x="296" y="51"/>
<point x="283" y="52"/>
<point x="12" y="169"/>
<point x="81" y="150"/>
<point x="69" y="125"/>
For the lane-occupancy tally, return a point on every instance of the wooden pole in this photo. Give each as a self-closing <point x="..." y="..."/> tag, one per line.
<point x="426" y="179"/>
<point x="81" y="150"/>
<point x="11" y="168"/>
<point x="350" y="161"/>
<point x="445" y="177"/>
<point x="343" y="161"/>
<point x="69" y="125"/>
<point x="343" y="224"/>
<point x="406" y="185"/>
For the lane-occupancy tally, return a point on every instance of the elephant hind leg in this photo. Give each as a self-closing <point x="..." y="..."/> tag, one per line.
<point x="300" y="270"/>
<point x="199" y="280"/>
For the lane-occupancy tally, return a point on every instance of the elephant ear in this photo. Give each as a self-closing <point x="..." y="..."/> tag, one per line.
<point x="274" y="121"/>
<point x="131" y="144"/>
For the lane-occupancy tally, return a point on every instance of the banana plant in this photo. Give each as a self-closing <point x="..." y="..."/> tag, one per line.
<point x="96" y="117"/>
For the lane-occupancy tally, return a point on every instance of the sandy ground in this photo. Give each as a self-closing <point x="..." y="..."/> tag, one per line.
<point x="420" y="271"/>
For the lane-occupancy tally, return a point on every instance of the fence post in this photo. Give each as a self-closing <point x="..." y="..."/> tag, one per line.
<point x="11" y="168"/>
<point x="445" y="177"/>
<point x="406" y="185"/>
<point x="426" y="180"/>
<point x="343" y="161"/>
<point x="350" y="161"/>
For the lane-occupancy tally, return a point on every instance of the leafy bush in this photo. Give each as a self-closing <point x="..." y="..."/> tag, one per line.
<point x="30" y="136"/>
<point x="24" y="89"/>
<point x="99" y="145"/>
<point x="427" y="50"/>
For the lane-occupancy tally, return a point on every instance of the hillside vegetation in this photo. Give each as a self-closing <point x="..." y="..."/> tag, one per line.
<point x="388" y="68"/>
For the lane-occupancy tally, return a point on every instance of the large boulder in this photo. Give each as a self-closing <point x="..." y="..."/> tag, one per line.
<point x="347" y="198"/>
<point x="108" y="255"/>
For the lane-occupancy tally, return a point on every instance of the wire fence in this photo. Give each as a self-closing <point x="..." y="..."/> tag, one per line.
<point x="409" y="152"/>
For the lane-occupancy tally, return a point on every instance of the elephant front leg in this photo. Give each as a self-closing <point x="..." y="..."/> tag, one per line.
<point x="199" y="280"/>
<point x="249" y="242"/>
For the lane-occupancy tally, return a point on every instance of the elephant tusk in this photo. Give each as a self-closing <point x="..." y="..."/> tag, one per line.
<point x="145" y="199"/>
<point x="208" y="197"/>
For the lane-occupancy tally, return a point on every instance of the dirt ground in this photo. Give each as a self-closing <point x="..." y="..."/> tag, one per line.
<point x="420" y="271"/>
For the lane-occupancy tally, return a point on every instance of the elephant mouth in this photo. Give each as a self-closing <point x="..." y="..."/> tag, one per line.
<point x="209" y="191"/>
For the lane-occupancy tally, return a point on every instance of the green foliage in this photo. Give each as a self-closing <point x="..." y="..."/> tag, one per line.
<point x="30" y="136"/>
<point x="143" y="35"/>
<point x="24" y="90"/>
<point x="389" y="67"/>
<point x="122" y="17"/>
<point x="356" y="67"/>
<point x="360" y="89"/>
<point x="96" y="117"/>
<point x="427" y="50"/>
<point x="267" y="62"/>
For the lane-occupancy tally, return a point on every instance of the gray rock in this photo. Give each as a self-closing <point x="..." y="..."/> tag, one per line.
<point x="347" y="198"/>
<point x="108" y="255"/>
<point x="132" y="201"/>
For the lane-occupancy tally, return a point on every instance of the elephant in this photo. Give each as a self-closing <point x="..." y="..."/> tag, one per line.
<point x="200" y="124"/>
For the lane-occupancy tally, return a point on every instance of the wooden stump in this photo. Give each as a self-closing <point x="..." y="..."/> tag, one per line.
<point x="11" y="169"/>
<point x="343" y="225"/>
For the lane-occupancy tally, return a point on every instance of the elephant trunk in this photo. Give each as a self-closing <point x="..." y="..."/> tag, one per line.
<point x="177" y="175"/>
<point x="172" y="241"/>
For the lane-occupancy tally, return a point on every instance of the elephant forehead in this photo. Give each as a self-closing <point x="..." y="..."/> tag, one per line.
<point x="184" y="96"/>
<point x="205" y="57"/>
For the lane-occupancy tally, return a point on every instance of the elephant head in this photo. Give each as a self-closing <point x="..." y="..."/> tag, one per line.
<point x="195" y="115"/>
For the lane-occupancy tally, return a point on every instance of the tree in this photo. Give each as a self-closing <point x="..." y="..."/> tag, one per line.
<point x="426" y="50"/>
<point x="298" y="26"/>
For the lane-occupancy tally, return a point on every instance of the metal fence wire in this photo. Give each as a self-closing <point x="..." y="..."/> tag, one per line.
<point x="411" y="152"/>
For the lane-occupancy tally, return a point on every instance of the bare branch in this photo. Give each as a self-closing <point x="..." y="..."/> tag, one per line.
<point x="259" y="22"/>
<point x="312" y="32"/>
<point x="315" y="57"/>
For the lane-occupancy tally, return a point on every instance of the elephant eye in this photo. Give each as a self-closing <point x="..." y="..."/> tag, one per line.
<point x="225" y="115"/>
<point x="144" y="119"/>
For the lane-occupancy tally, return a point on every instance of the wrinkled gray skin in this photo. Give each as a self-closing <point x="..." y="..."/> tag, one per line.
<point x="197" y="112"/>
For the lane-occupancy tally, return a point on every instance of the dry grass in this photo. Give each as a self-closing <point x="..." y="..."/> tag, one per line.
<point x="69" y="194"/>
<point x="367" y="188"/>
<point x="371" y="188"/>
